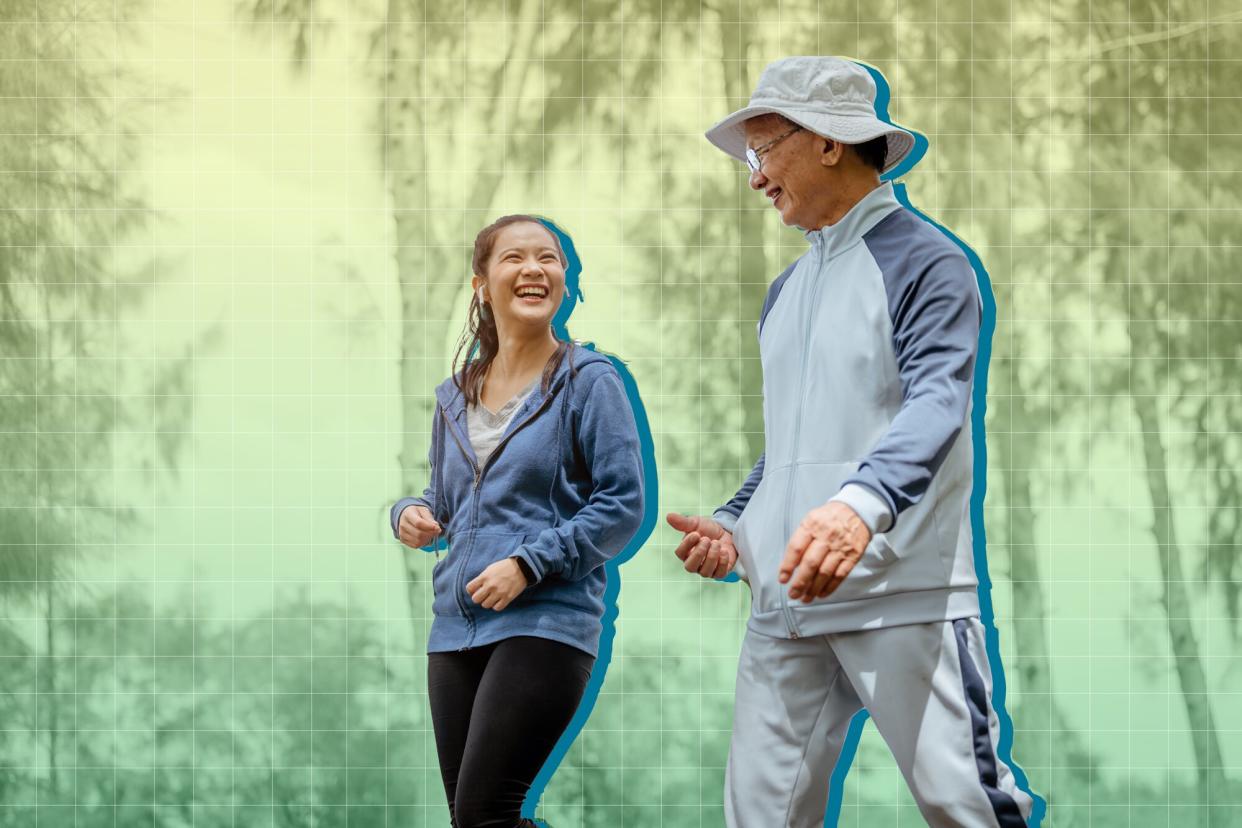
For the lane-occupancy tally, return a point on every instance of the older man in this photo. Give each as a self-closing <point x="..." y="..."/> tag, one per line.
<point x="853" y="529"/>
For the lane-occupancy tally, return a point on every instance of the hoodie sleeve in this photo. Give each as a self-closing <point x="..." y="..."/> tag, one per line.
<point x="936" y="317"/>
<point x="429" y="494"/>
<point x="608" y="440"/>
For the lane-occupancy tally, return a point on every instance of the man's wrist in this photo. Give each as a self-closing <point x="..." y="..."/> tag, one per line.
<point x="726" y="520"/>
<point x="869" y="507"/>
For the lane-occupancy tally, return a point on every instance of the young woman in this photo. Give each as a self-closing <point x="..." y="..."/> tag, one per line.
<point x="536" y="482"/>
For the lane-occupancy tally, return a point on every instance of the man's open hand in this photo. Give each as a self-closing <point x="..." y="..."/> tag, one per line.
<point x="823" y="550"/>
<point x="706" y="548"/>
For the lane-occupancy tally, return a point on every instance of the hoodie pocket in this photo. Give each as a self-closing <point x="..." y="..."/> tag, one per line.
<point x="782" y="500"/>
<point x="452" y="574"/>
<point x="444" y="578"/>
<point x="760" y="537"/>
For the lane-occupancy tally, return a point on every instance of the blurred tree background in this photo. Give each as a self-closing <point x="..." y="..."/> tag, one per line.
<point x="234" y="251"/>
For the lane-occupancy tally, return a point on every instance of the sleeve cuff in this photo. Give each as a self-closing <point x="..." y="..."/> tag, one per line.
<point x="525" y="567"/>
<point x="727" y="520"/>
<point x="394" y="516"/>
<point x="530" y="565"/>
<point x="867" y="504"/>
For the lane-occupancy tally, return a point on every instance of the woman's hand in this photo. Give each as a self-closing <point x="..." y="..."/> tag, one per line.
<point x="498" y="585"/>
<point x="416" y="527"/>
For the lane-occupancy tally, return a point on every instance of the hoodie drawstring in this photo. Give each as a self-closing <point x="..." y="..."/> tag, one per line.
<point x="439" y="472"/>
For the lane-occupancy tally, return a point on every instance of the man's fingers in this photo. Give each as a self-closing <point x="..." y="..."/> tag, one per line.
<point x="843" y="570"/>
<point x="823" y="577"/>
<point x="695" y="559"/>
<point x="687" y="545"/>
<point x="826" y="574"/>
<point x="711" y="560"/>
<point x="694" y="523"/>
<point x="727" y="558"/>
<point x="682" y="523"/>
<point x="798" y="543"/>
<point x="710" y="528"/>
<point x="804" y="574"/>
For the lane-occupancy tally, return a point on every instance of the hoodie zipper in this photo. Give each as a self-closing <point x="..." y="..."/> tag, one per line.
<point x="790" y="623"/>
<point x="478" y="479"/>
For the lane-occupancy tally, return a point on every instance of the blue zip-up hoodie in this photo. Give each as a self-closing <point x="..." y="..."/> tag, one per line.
<point x="563" y="491"/>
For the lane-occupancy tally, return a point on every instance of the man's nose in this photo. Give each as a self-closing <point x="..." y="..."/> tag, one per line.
<point x="758" y="180"/>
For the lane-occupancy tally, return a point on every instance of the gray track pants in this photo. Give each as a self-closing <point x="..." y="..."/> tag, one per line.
<point x="927" y="687"/>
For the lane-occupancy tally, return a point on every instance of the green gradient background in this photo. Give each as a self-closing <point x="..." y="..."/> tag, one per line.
<point x="208" y="406"/>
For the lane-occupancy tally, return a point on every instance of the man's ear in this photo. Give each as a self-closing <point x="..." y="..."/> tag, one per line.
<point x="832" y="152"/>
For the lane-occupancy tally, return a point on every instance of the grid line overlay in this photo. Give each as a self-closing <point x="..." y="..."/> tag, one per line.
<point x="235" y="243"/>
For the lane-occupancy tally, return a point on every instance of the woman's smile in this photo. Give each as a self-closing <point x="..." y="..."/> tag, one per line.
<point x="531" y="294"/>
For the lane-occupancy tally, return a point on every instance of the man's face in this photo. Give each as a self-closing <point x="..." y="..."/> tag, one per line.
<point x="789" y="172"/>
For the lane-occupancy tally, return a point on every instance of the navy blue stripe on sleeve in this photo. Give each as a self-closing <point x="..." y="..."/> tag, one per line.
<point x="935" y="309"/>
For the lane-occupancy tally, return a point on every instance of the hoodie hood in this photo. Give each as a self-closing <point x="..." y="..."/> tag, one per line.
<point x="450" y="398"/>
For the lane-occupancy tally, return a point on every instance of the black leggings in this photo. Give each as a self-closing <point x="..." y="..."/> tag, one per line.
<point x="498" y="711"/>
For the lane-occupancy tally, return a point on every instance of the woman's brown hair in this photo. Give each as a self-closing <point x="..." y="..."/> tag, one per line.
<point x="480" y="341"/>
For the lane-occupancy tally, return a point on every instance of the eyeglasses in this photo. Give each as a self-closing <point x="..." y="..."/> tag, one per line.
<point x="754" y="157"/>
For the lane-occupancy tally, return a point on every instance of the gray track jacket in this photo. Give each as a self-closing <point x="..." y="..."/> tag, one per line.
<point x="868" y="346"/>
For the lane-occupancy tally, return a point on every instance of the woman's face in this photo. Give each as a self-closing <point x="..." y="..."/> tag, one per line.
<point x="525" y="280"/>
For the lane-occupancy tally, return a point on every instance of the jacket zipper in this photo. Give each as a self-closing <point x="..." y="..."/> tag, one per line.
<point x="790" y="623"/>
<point x="478" y="479"/>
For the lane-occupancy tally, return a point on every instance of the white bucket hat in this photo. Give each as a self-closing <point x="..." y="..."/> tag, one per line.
<point x="829" y="96"/>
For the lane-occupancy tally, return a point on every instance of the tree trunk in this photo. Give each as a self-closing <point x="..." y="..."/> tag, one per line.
<point x="405" y="169"/>
<point x="431" y="305"/>
<point x="49" y="691"/>
<point x="1037" y="709"/>
<point x="1030" y="609"/>
<point x="1184" y="645"/>
<point x="753" y="269"/>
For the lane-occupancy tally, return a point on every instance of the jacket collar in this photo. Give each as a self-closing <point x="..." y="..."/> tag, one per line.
<point x="864" y="215"/>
